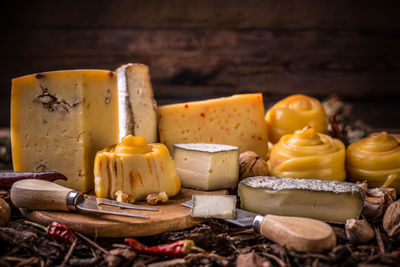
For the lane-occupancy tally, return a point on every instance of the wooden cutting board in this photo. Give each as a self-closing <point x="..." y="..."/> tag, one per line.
<point x="172" y="216"/>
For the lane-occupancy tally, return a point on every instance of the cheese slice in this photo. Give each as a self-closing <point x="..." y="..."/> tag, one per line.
<point x="207" y="166"/>
<point x="137" y="107"/>
<point x="325" y="200"/>
<point x="135" y="168"/>
<point x="60" y="119"/>
<point x="214" y="206"/>
<point x="237" y="120"/>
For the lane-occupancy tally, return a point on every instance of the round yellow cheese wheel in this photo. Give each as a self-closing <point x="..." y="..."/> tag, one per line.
<point x="308" y="154"/>
<point x="293" y="113"/>
<point x="376" y="159"/>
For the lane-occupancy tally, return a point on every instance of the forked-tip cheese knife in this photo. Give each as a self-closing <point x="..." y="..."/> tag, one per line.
<point x="298" y="233"/>
<point x="35" y="194"/>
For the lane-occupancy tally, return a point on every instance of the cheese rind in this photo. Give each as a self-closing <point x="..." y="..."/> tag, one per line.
<point x="214" y="206"/>
<point x="136" y="168"/>
<point x="60" y="119"/>
<point x="237" y="120"/>
<point x="137" y="107"/>
<point x="330" y="201"/>
<point x="207" y="166"/>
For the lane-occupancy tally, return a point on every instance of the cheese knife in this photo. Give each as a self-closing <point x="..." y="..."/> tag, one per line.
<point x="36" y="194"/>
<point x="298" y="233"/>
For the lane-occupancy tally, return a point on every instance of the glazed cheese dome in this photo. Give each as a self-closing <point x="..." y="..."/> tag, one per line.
<point x="135" y="168"/>
<point x="376" y="159"/>
<point x="308" y="154"/>
<point x="293" y="113"/>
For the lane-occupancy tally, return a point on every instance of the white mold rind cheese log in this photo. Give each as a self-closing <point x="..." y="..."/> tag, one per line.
<point x="60" y="119"/>
<point x="330" y="201"/>
<point x="137" y="107"/>
<point x="237" y="121"/>
<point x="207" y="166"/>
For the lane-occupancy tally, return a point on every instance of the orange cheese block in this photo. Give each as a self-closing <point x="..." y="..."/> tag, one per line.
<point x="237" y="120"/>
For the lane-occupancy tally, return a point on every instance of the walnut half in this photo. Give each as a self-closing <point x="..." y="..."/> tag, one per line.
<point x="153" y="199"/>
<point x="124" y="197"/>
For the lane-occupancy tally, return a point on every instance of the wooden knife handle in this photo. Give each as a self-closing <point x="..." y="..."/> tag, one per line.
<point x="39" y="195"/>
<point x="301" y="234"/>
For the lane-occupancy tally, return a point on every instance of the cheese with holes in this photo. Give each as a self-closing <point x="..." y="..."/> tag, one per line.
<point x="325" y="200"/>
<point x="237" y="120"/>
<point x="214" y="206"/>
<point x="207" y="166"/>
<point x="135" y="168"/>
<point x="137" y="107"/>
<point x="60" y="119"/>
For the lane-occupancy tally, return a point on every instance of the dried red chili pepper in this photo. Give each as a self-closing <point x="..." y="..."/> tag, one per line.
<point x="336" y="131"/>
<point x="7" y="179"/>
<point x="61" y="232"/>
<point x="177" y="249"/>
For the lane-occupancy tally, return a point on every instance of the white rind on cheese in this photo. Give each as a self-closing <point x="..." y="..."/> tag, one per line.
<point x="325" y="200"/>
<point x="214" y="206"/>
<point x="137" y="107"/>
<point x="207" y="166"/>
<point x="60" y="119"/>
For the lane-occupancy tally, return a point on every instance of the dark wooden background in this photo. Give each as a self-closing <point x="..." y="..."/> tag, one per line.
<point x="202" y="48"/>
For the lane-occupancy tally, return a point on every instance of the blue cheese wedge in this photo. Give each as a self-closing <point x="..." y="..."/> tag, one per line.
<point x="207" y="166"/>
<point x="214" y="206"/>
<point x="137" y="107"/>
<point x="325" y="200"/>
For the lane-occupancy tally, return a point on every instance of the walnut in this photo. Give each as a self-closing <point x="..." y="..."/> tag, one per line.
<point x="5" y="212"/>
<point x="251" y="165"/>
<point x="153" y="199"/>
<point x="391" y="220"/>
<point x="124" y="197"/>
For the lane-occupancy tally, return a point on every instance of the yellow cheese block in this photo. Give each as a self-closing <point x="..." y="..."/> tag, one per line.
<point x="60" y="119"/>
<point x="237" y="120"/>
<point x="307" y="154"/>
<point x="375" y="159"/>
<point x="136" y="168"/>
<point x="293" y="113"/>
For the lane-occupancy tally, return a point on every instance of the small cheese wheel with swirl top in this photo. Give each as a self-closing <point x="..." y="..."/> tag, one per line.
<point x="293" y="113"/>
<point x="376" y="159"/>
<point x="308" y="154"/>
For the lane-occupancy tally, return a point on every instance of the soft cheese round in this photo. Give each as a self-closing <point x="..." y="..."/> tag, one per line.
<point x="375" y="159"/>
<point x="308" y="154"/>
<point x="293" y="113"/>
